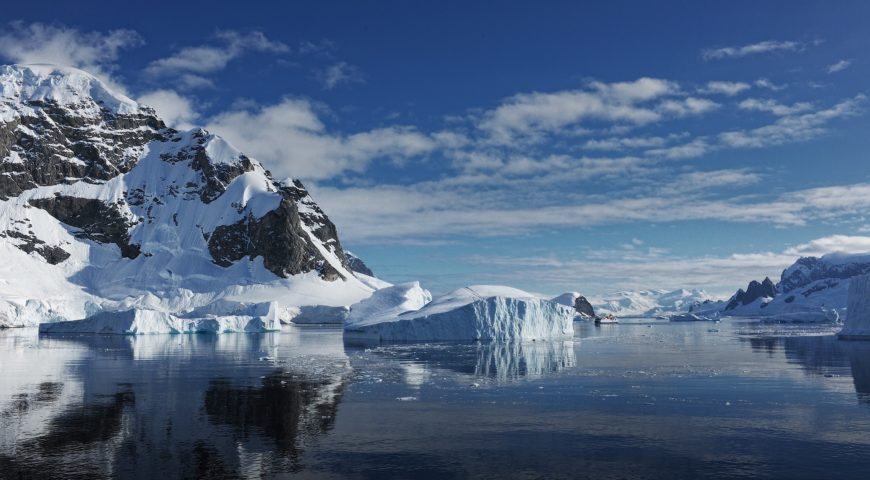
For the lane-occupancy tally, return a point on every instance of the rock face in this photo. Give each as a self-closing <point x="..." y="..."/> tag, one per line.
<point x="106" y="203"/>
<point x="355" y="264"/>
<point x="60" y="126"/>
<point x="580" y="304"/>
<point x="755" y="290"/>
<point x="807" y="270"/>
<point x="811" y="289"/>
<point x="583" y="307"/>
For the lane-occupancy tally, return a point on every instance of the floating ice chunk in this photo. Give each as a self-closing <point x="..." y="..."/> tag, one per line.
<point x="472" y="313"/>
<point x="142" y="322"/>
<point x="688" y="317"/>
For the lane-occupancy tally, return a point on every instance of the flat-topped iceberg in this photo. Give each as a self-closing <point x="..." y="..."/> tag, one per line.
<point x="256" y="318"/>
<point x="403" y="313"/>
<point x="857" y="326"/>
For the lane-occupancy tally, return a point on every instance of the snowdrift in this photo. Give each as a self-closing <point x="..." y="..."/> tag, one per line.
<point x="479" y="312"/>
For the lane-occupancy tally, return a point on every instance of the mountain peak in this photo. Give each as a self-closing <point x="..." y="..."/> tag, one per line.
<point x="65" y="86"/>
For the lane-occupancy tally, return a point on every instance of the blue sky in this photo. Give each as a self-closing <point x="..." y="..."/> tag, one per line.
<point x="551" y="146"/>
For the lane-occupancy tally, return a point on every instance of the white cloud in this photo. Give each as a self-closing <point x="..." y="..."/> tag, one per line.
<point x="692" y="149"/>
<point x="716" y="179"/>
<point x="190" y="64"/>
<point x="726" y="88"/>
<point x="625" y="143"/>
<point x="687" y="106"/>
<point x="766" y="46"/>
<point x="176" y="110"/>
<point x="830" y="244"/>
<point x="528" y="116"/>
<point x="765" y="83"/>
<point x="774" y="107"/>
<point x="94" y="51"/>
<point x="597" y="273"/>
<point x="338" y="74"/>
<point x="792" y="128"/>
<point x="291" y="140"/>
<point x="839" y="66"/>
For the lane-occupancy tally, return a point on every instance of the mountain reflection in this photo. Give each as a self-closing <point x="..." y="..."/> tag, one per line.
<point x="286" y="408"/>
<point x="824" y="355"/>
<point x="189" y="406"/>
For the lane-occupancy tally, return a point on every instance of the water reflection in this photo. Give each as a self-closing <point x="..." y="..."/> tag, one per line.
<point x="497" y="361"/>
<point x="823" y="355"/>
<point x="194" y="406"/>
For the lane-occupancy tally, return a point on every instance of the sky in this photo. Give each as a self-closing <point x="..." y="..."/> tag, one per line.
<point x="551" y="146"/>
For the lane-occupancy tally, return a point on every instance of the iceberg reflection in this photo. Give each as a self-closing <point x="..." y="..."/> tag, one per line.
<point x="494" y="360"/>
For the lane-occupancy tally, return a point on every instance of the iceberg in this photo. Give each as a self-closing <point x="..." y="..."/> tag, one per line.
<point x="857" y="326"/>
<point x="482" y="312"/>
<point x="691" y="317"/>
<point x="140" y="321"/>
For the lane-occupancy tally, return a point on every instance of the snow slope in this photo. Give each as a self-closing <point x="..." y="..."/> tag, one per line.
<point x="648" y="303"/>
<point x="480" y="312"/>
<point x="813" y="289"/>
<point x="105" y="209"/>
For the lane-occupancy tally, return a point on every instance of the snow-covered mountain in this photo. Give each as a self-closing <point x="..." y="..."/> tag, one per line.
<point x="813" y="288"/>
<point x="649" y="303"/>
<point x="104" y="207"/>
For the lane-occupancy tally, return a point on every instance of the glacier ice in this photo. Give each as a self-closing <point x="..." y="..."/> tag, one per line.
<point x="143" y="322"/>
<point x="857" y="324"/>
<point x="480" y="312"/>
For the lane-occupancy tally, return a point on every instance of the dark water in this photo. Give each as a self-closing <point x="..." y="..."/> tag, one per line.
<point x="689" y="400"/>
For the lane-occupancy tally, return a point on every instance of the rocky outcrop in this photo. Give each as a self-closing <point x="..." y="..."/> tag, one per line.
<point x="583" y="307"/>
<point x="65" y="137"/>
<point x="807" y="270"/>
<point x="755" y="290"/>
<point x="29" y="243"/>
<point x="355" y="264"/>
<point x="95" y="220"/>
<point x="278" y="237"/>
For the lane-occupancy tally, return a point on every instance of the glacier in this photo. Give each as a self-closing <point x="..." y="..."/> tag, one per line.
<point x="479" y="312"/>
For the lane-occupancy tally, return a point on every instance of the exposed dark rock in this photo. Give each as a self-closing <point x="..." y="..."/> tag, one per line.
<point x="583" y="307"/>
<point x="57" y="146"/>
<point x="215" y="177"/>
<point x="48" y="143"/>
<point x="755" y="290"/>
<point x="355" y="264"/>
<point x="29" y="244"/>
<point x="810" y="269"/>
<point x="278" y="237"/>
<point x="96" y="220"/>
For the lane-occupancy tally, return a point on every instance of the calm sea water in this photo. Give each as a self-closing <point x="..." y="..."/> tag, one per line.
<point x="688" y="400"/>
